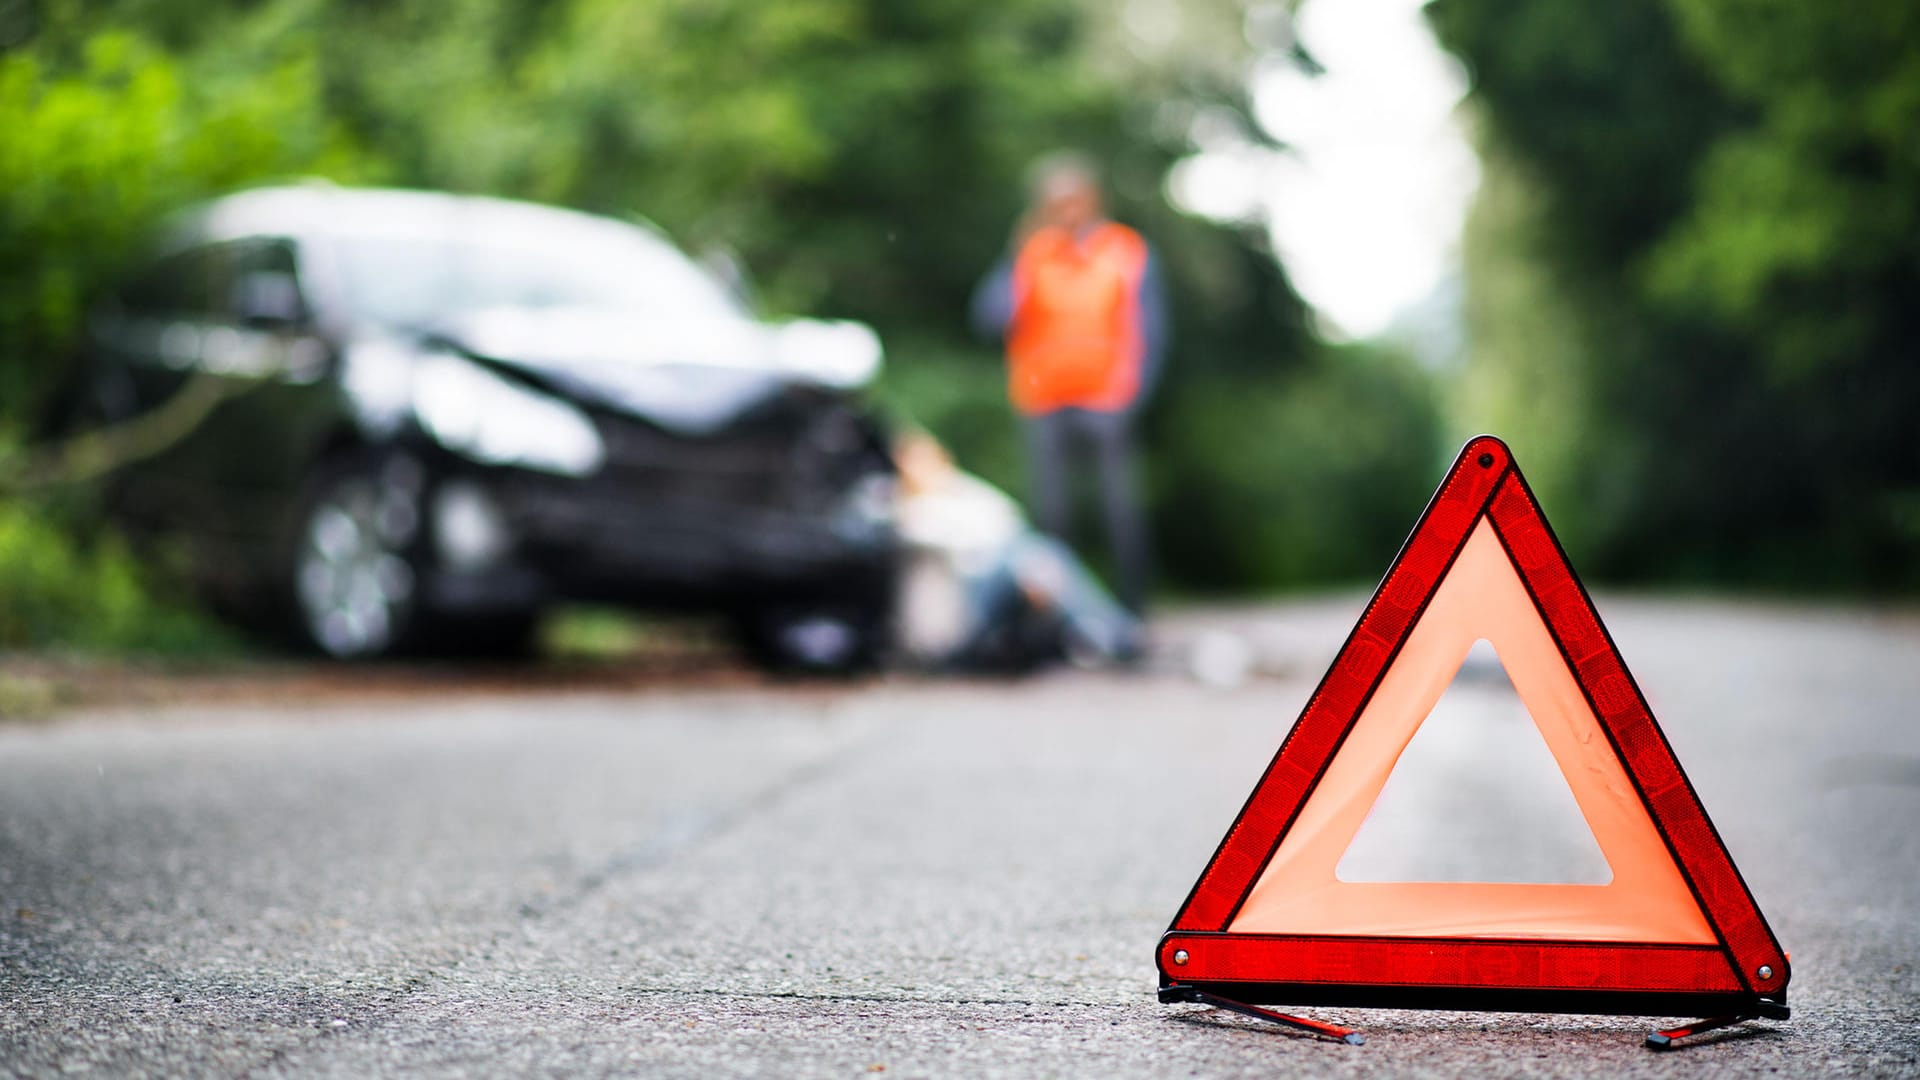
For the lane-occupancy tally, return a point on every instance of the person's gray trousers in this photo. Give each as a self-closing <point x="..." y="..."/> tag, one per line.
<point x="1055" y="441"/>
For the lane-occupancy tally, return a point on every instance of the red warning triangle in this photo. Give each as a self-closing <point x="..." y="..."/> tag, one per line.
<point x="1674" y="931"/>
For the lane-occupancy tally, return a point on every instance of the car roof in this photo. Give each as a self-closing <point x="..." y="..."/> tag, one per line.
<point x="314" y="210"/>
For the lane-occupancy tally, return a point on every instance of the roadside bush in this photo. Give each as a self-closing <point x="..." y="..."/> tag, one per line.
<point x="86" y="596"/>
<point x="1302" y="478"/>
<point x="96" y="147"/>
<point x="99" y="141"/>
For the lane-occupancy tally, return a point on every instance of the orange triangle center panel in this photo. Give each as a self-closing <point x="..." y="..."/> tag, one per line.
<point x="1673" y="929"/>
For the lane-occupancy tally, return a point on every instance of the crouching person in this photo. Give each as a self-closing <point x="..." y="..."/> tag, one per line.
<point x="982" y="590"/>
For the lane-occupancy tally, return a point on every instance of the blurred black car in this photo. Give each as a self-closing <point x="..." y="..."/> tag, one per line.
<point x="451" y="412"/>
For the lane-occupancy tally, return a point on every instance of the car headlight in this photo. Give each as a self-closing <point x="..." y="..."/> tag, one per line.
<point x="844" y="355"/>
<point x="868" y="507"/>
<point x="496" y="422"/>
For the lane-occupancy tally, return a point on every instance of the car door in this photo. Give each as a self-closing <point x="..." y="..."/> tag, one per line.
<point x="146" y="343"/>
<point x="227" y="319"/>
<point x="261" y="348"/>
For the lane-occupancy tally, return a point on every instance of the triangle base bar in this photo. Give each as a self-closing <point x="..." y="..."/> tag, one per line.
<point x="1455" y="963"/>
<point x="1487" y="974"/>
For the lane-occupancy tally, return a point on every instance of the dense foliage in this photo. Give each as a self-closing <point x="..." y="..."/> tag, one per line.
<point x="92" y="596"/>
<point x="100" y="140"/>
<point x="1692" y="275"/>
<point x="1691" y="265"/>
<point x="861" y="156"/>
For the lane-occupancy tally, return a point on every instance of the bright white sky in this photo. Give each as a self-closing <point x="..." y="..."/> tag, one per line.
<point x="1365" y="209"/>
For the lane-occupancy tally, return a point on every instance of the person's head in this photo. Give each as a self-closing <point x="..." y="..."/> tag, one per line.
<point x="1066" y="191"/>
<point x="923" y="463"/>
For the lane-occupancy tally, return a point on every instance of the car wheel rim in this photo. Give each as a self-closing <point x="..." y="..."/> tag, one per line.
<point x="820" y="641"/>
<point x="353" y="582"/>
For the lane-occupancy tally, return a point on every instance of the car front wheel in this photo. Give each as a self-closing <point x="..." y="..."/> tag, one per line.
<point x="825" y="639"/>
<point x="354" y="576"/>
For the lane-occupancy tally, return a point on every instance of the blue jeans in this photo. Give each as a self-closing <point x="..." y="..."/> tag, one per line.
<point x="1037" y="576"/>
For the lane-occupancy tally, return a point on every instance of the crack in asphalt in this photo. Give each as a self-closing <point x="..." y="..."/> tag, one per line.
<point x="870" y="999"/>
<point x="678" y="834"/>
<point x="691" y="827"/>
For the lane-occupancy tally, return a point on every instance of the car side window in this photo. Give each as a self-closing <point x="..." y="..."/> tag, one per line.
<point x="183" y="284"/>
<point x="262" y="283"/>
<point x="232" y="280"/>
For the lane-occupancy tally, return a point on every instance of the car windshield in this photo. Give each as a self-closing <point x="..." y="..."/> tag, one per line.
<point x="418" y="279"/>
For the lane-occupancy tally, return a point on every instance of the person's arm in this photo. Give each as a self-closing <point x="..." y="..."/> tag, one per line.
<point x="992" y="308"/>
<point x="1156" y="326"/>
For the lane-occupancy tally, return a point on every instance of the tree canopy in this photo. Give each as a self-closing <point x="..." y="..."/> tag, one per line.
<point x="1698" y="245"/>
<point x="1690" y="267"/>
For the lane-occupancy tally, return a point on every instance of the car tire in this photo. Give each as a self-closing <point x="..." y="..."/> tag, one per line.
<point x="814" y="639"/>
<point x="353" y="569"/>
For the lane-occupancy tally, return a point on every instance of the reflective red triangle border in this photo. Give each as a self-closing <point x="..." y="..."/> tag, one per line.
<point x="1745" y="970"/>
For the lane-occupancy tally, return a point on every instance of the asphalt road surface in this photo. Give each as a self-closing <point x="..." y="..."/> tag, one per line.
<point x="904" y="877"/>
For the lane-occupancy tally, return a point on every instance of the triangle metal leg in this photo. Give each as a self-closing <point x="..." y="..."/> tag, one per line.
<point x="1316" y="1028"/>
<point x="1666" y="1040"/>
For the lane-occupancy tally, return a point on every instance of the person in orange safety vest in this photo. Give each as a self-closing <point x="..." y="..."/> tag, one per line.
<point x="1080" y="307"/>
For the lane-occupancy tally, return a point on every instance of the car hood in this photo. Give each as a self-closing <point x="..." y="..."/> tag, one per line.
<point x="692" y="375"/>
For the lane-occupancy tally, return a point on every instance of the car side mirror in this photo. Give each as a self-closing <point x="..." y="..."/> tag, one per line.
<point x="268" y="299"/>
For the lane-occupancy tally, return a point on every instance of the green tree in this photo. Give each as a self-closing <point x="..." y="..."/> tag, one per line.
<point x="1715" y="199"/>
<point x="98" y="144"/>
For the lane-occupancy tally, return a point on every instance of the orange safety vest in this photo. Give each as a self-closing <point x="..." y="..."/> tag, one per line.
<point x="1075" y="340"/>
